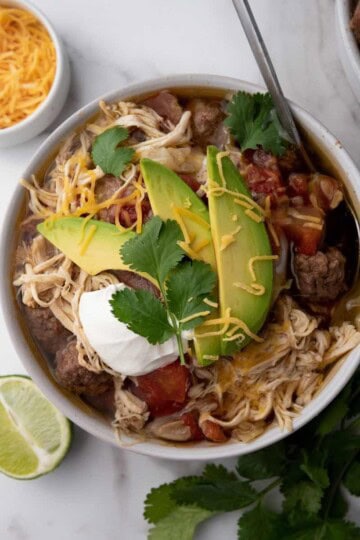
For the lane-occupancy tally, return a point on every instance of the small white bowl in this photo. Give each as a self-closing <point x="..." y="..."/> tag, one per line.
<point x="348" y="47"/>
<point x="49" y="109"/>
<point x="85" y="417"/>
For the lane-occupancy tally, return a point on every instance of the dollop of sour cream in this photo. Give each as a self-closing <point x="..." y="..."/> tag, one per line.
<point x="121" y="349"/>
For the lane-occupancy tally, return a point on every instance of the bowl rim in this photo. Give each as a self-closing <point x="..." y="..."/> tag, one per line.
<point x="29" y="6"/>
<point x="349" y="48"/>
<point x="91" y="424"/>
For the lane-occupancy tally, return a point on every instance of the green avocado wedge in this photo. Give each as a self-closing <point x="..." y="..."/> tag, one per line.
<point x="93" y="245"/>
<point x="238" y="239"/>
<point x="171" y="198"/>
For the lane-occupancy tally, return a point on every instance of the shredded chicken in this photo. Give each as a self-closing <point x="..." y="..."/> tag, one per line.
<point x="275" y="379"/>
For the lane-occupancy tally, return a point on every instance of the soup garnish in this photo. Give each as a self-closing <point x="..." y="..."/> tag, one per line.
<point x="27" y="65"/>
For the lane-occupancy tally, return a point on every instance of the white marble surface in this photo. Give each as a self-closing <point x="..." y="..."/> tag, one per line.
<point x="98" y="491"/>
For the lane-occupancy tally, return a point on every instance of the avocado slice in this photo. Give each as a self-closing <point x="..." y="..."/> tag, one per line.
<point x="93" y="245"/>
<point x="237" y="239"/>
<point x="172" y="198"/>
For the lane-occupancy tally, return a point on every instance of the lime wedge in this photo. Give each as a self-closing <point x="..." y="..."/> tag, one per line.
<point x="34" y="435"/>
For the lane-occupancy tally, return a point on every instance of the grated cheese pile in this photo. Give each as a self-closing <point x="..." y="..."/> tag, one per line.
<point x="27" y="65"/>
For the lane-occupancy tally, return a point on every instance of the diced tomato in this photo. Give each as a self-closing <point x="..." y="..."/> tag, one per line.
<point x="191" y="181"/>
<point x="213" y="432"/>
<point x="191" y="419"/>
<point x="326" y="192"/>
<point x="298" y="185"/>
<point x="164" y="390"/>
<point x="263" y="181"/>
<point x="306" y="238"/>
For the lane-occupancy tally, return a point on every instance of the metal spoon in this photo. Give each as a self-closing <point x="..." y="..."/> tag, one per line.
<point x="283" y="110"/>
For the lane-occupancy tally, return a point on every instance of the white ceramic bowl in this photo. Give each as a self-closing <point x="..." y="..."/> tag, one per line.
<point x="72" y="407"/>
<point x="49" y="109"/>
<point x="348" y="47"/>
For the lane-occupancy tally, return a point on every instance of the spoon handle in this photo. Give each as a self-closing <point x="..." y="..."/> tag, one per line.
<point x="267" y="70"/>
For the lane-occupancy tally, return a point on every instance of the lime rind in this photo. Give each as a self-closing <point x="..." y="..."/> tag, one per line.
<point x="29" y="439"/>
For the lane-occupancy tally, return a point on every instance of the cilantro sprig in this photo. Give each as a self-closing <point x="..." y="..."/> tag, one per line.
<point x="310" y="468"/>
<point x="183" y="285"/>
<point x="253" y="122"/>
<point x="107" y="154"/>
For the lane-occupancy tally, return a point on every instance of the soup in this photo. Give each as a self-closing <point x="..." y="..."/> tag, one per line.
<point x="180" y="268"/>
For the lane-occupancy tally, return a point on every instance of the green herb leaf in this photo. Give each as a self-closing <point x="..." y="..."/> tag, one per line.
<point x="221" y="495"/>
<point x="326" y="530"/>
<point x="261" y="524"/>
<point x="253" y="122"/>
<point x="187" y="287"/>
<point x="154" y="251"/>
<point x="262" y="464"/>
<point x="314" y="469"/>
<point x="143" y="314"/>
<point x="106" y="153"/>
<point x="341" y="530"/>
<point x="180" y="524"/>
<point x="352" y="478"/>
<point x="214" y="473"/>
<point x="339" y="506"/>
<point x="301" y="499"/>
<point x="159" y="503"/>
<point x="334" y="414"/>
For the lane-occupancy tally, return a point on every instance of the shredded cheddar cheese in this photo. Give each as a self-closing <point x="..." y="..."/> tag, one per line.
<point x="259" y="258"/>
<point x="228" y="239"/>
<point x="273" y="234"/>
<point x="188" y="250"/>
<point x="195" y="316"/>
<point x="219" y="158"/>
<point x="213" y="357"/>
<point x="226" y="321"/>
<point x="304" y="217"/>
<point x="316" y="226"/>
<point x="201" y="245"/>
<point x="27" y="65"/>
<point x="254" y="288"/>
<point x="254" y="216"/>
<point x="210" y="303"/>
<point x="257" y="289"/>
<point x="86" y="241"/>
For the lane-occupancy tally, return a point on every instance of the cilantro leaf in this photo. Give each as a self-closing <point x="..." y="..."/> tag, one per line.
<point x="262" y="464"/>
<point x="180" y="524"/>
<point x="159" y="502"/>
<point x="261" y="524"/>
<point x="217" y="473"/>
<point x="155" y="250"/>
<point x="187" y="287"/>
<point x="339" y="506"/>
<point x="301" y="498"/>
<point x="341" y="444"/>
<point x="326" y="530"/>
<point x="221" y="495"/>
<point x="352" y="478"/>
<point x="143" y="314"/>
<point x="313" y="467"/>
<point x="341" y="530"/>
<point x="253" y="122"/>
<point x="334" y="413"/>
<point x="106" y="153"/>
